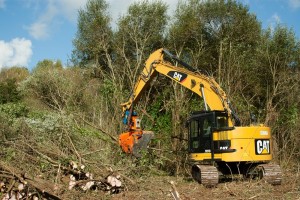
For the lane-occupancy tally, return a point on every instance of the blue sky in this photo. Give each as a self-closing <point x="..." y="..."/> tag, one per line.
<point x="33" y="30"/>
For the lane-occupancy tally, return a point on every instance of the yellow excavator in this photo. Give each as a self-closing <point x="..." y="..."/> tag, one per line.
<point x="218" y="145"/>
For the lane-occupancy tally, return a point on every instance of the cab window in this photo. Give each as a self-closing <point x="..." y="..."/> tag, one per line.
<point x="194" y="128"/>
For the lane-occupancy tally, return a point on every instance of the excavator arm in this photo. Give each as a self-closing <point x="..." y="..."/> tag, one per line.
<point x="205" y="86"/>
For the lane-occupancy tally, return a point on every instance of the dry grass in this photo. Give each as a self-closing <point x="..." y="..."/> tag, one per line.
<point x="159" y="188"/>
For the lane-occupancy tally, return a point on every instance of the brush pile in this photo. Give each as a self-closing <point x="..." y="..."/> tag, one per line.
<point x="49" y="155"/>
<point x="17" y="185"/>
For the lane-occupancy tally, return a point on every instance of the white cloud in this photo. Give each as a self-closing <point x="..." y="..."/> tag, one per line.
<point x="38" y="30"/>
<point x="69" y="8"/>
<point x="294" y="3"/>
<point x="118" y="9"/>
<point x="17" y="52"/>
<point x="2" y="3"/>
<point x="273" y="21"/>
<point x="275" y="18"/>
<point x="41" y="28"/>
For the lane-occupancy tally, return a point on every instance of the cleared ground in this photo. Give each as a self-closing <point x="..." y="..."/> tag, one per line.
<point x="159" y="187"/>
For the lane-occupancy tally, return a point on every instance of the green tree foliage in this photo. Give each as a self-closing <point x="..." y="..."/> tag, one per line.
<point x="142" y="28"/>
<point x="219" y="37"/>
<point x="278" y="90"/>
<point x="9" y="91"/>
<point x="212" y="30"/>
<point x="9" y="80"/>
<point x="93" y="38"/>
<point x="46" y="64"/>
<point x="17" y="73"/>
<point x="279" y="64"/>
<point x="56" y="87"/>
<point x="140" y="31"/>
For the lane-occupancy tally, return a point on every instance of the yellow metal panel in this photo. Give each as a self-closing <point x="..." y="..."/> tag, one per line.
<point x="251" y="143"/>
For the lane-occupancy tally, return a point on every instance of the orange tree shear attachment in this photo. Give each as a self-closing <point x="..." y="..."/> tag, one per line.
<point x="134" y="140"/>
<point x="127" y="141"/>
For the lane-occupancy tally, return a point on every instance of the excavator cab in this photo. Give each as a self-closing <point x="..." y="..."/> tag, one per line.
<point x="200" y="132"/>
<point x="202" y="125"/>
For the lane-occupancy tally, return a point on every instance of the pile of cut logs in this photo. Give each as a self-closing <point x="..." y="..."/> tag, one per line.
<point x="85" y="180"/>
<point x="15" y="185"/>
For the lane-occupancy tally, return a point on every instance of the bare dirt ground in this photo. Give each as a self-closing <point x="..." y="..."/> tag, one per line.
<point x="159" y="187"/>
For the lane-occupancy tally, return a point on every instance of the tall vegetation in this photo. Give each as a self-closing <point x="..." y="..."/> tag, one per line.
<point x="80" y="104"/>
<point x="259" y="69"/>
<point x="279" y="81"/>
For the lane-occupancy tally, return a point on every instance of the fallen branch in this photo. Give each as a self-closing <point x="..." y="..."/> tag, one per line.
<point x="174" y="191"/>
<point x="73" y="146"/>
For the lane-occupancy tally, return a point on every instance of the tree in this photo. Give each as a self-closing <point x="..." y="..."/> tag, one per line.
<point x="279" y="60"/>
<point x="9" y="91"/>
<point x="221" y="38"/>
<point x="218" y="38"/>
<point x="279" y="92"/>
<point x="47" y="64"/>
<point x="59" y="88"/>
<point x="93" y="37"/>
<point x="140" y="31"/>
<point x="17" y="73"/>
<point x="9" y="81"/>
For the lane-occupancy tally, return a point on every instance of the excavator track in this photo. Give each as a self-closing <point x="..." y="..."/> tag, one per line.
<point x="206" y="174"/>
<point x="271" y="173"/>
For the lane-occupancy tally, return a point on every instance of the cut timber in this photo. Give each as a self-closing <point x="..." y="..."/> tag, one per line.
<point x="114" y="181"/>
<point x="45" y="187"/>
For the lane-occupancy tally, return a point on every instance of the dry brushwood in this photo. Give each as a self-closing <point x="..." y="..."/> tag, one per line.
<point x="17" y="185"/>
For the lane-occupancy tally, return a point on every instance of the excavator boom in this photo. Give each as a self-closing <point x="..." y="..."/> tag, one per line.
<point x="194" y="81"/>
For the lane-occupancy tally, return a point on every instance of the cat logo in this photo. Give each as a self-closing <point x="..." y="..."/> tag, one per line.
<point x="262" y="147"/>
<point x="178" y="76"/>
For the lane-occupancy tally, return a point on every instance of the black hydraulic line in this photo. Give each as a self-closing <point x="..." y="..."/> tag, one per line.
<point x="189" y="67"/>
<point x="178" y="60"/>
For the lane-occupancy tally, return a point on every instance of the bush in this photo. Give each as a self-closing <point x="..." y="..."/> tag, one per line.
<point x="9" y="91"/>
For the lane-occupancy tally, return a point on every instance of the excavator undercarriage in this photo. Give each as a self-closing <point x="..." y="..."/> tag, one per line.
<point x="211" y="175"/>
